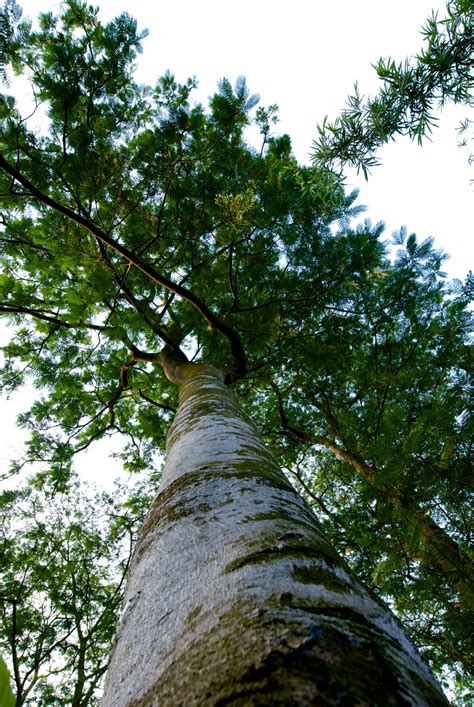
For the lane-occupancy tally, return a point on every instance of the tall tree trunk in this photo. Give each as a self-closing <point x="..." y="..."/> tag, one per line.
<point x="235" y="596"/>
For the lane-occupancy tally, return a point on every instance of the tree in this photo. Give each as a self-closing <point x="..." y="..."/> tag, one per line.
<point x="393" y="445"/>
<point x="138" y="228"/>
<point x="63" y="565"/>
<point x="257" y="563"/>
<point x="412" y="92"/>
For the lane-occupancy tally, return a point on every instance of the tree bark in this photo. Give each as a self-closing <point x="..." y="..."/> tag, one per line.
<point x="235" y="596"/>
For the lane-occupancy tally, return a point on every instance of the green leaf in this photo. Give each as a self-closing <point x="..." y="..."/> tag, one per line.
<point x="411" y="244"/>
<point x="6" y="695"/>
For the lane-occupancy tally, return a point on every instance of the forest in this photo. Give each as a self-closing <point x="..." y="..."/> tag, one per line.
<point x="292" y="387"/>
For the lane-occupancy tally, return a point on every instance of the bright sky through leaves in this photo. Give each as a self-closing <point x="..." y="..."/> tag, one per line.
<point x="305" y="56"/>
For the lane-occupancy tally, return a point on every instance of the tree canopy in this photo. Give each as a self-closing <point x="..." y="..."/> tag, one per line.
<point x="133" y="218"/>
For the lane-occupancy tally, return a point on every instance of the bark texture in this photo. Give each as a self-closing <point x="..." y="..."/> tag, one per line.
<point x="235" y="596"/>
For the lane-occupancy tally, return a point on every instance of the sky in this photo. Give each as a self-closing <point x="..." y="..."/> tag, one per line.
<point x="305" y="56"/>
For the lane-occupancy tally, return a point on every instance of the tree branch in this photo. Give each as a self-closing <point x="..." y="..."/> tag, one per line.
<point x="440" y="550"/>
<point x="237" y="350"/>
<point x="148" y="315"/>
<point x="45" y="316"/>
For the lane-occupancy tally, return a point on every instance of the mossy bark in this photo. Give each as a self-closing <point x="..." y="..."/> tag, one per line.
<point x="235" y="596"/>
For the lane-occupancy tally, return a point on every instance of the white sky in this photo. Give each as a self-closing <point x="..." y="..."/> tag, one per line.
<point x="305" y="56"/>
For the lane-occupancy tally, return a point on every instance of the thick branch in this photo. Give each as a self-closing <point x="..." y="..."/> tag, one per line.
<point x="438" y="549"/>
<point x="178" y="369"/>
<point x="137" y="355"/>
<point x="146" y="312"/>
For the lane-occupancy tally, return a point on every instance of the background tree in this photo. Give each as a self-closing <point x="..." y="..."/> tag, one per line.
<point x="132" y="218"/>
<point x="63" y="565"/>
<point x="387" y="458"/>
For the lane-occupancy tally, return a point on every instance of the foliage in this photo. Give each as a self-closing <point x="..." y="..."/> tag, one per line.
<point x="133" y="218"/>
<point x="63" y="562"/>
<point x="380" y="437"/>
<point x="412" y="92"/>
<point x="10" y="15"/>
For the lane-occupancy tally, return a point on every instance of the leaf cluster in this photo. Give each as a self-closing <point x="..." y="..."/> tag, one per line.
<point x="412" y="92"/>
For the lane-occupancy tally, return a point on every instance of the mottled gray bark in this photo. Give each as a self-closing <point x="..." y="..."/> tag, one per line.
<point x="235" y="596"/>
